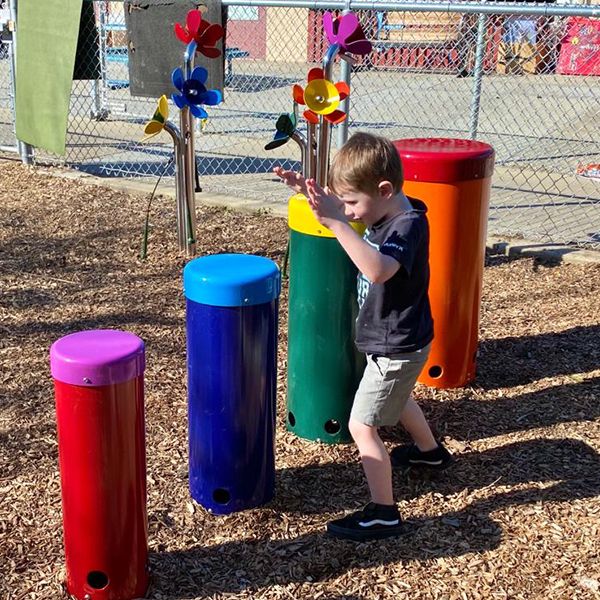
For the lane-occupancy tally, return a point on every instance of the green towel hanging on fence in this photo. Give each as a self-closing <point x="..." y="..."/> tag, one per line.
<point x="47" y="34"/>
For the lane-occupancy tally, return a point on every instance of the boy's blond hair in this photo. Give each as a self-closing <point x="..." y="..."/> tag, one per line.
<point x="363" y="162"/>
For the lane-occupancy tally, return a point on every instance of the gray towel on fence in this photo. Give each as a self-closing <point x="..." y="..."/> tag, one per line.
<point x="155" y="51"/>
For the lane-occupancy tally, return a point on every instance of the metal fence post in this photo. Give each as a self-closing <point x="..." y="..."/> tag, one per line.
<point x="25" y="150"/>
<point x="477" y="76"/>
<point x="100" y="111"/>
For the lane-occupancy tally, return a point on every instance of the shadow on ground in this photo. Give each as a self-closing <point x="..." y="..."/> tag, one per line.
<point x="207" y="165"/>
<point x="511" y="361"/>
<point x="253" y="564"/>
<point x="472" y="418"/>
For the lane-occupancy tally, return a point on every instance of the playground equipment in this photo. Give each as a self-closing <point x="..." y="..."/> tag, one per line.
<point x="453" y="178"/>
<point x="232" y="306"/>
<point x="324" y="367"/>
<point x="99" y="389"/>
<point x="199" y="36"/>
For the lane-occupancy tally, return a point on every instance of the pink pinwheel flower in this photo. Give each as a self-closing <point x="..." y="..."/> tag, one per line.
<point x="202" y="32"/>
<point x="347" y="33"/>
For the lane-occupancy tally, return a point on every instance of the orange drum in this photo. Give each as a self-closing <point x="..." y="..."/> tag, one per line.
<point x="453" y="178"/>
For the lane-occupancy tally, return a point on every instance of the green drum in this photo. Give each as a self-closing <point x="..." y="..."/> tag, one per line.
<point x="324" y="367"/>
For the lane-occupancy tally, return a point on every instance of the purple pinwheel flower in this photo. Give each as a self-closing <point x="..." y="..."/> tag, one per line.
<point x="193" y="92"/>
<point x="347" y="33"/>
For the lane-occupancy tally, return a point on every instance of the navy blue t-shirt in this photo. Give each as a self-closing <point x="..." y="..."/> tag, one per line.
<point x="395" y="316"/>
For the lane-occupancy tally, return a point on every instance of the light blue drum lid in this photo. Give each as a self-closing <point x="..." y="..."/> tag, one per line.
<point x="231" y="280"/>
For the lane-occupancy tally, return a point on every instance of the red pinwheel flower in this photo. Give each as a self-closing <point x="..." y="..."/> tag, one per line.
<point x="205" y="34"/>
<point x="321" y="97"/>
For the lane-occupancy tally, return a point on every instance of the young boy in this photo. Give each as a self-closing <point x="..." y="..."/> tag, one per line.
<point x="394" y="327"/>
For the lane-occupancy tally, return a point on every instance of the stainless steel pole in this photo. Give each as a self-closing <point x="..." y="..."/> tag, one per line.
<point x="187" y="133"/>
<point x="345" y="75"/>
<point x="324" y="125"/>
<point x="180" y="184"/>
<point x="301" y="141"/>
<point x="189" y="199"/>
<point x="312" y="151"/>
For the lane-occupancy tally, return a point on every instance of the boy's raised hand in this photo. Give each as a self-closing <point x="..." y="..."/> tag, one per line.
<point x="326" y="207"/>
<point x="292" y="179"/>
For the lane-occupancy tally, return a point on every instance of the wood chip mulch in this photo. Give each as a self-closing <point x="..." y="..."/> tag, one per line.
<point x="517" y="516"/>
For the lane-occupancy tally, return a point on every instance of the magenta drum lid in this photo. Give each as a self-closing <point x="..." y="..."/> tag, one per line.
<point x="97" y="357"/>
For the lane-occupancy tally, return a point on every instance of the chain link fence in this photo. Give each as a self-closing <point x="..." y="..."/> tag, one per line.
<point x="529" y="84"/>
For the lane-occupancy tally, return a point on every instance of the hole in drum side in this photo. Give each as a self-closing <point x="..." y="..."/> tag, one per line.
<point x="332" y="427"/>
<point x="97" y="580"/>
<point x="221" y="496"/>
<point x="435" y="371"/>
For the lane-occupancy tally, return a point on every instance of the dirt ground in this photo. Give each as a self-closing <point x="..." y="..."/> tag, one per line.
<point x="517" y="516"/>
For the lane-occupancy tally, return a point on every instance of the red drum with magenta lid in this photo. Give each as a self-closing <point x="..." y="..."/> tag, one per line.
<point x="99" y="393"/>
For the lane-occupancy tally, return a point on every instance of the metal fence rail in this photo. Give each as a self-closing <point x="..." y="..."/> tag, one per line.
<point x="525" y="78"/>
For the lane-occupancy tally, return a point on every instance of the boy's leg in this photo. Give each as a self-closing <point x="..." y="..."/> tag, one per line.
<point x="375" y="461"/>
<point x="426" y="451"/>
<point x="413" y="420"/>
<point x="380" y="517"/>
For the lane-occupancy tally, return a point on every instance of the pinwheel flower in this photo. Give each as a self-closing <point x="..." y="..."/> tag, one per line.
<point x="285" y="127"/>
<point x="205" y="34"/>
<point x="321" y="97"/>
<point x="193" y="92"/>
<point x="157" y="123"/>
<point x="347" y="33"/>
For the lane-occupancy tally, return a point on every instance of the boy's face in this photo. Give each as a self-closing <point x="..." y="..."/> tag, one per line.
<point x="362" y="206"/>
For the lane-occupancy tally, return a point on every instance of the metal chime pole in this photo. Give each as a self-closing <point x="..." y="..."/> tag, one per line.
<point x="345" y="75"/>
<point x="188" y="208"/>
<point x="180" y="184"/>
<point x="324" y="125"/>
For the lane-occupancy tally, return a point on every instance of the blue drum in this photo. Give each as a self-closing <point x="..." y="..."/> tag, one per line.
<point x="232" y="307"/>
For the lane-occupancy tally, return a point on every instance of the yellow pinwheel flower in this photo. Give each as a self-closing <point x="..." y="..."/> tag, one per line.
<point x="157" y="123"/>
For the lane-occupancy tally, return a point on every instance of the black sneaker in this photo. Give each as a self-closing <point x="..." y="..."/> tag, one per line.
<point x="410" y="456"/>
<point x="373" y="522"/>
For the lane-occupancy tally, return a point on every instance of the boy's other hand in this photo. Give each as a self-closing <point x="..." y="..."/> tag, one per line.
<point x="292" y="179"/>
<point x="327" y="207"/>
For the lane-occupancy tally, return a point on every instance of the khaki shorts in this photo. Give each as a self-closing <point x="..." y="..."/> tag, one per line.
<point x="386" y="386"/>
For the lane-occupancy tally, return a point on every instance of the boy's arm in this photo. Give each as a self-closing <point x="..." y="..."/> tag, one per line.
<point x="376" y="267"/>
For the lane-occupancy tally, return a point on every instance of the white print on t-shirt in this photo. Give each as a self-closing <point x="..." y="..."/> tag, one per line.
<point x="393" y="245"/>
<point x="363" y="284"/>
